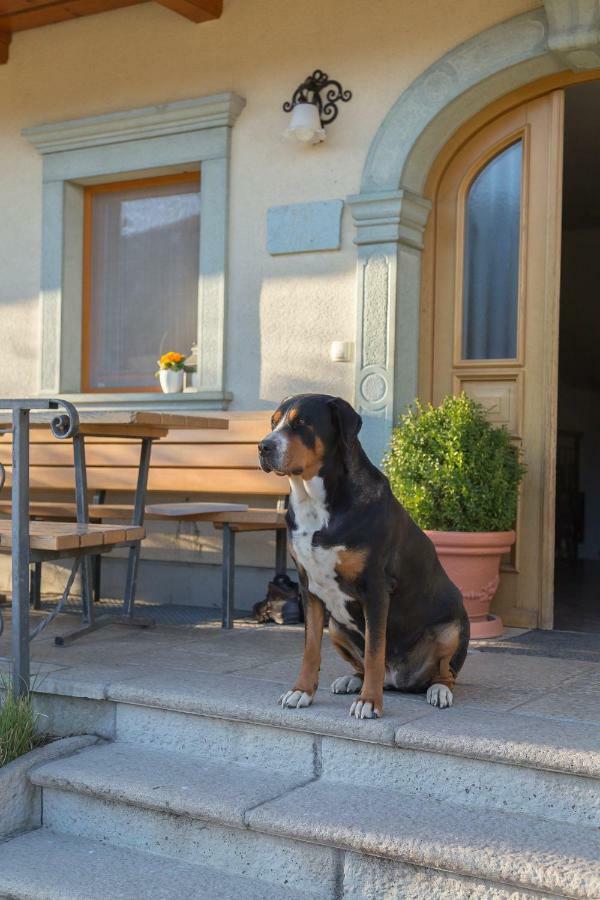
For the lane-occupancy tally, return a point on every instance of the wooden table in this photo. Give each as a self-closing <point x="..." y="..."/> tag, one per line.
<point x="126" y="423"/>
<point x="66" y="422"/>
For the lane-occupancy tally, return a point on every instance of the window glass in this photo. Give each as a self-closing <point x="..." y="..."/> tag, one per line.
<point x="142" y="297"/>
<point x="491" y="259"/>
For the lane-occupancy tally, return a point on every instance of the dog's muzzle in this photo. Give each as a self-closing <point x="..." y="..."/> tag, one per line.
<point x="272" y="454"/>
<point x="266" y="449"/>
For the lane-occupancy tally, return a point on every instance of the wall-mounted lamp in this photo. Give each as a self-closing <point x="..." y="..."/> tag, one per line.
<point x="341" y="351"/>
<point x="311" y="112"/>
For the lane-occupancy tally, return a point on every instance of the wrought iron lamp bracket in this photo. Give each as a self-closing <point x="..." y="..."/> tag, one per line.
<point x="310" y="92"/>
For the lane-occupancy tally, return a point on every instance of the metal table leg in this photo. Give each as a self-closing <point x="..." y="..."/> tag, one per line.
<point x="138" y="519"/>
<point x="99" y="498"/>
<point x="20" y="552"/>
<point x="228" y="575"/>
<point x="281" y="551"/>
<point x="35" y="586"/>
<point x="83" y="518"/>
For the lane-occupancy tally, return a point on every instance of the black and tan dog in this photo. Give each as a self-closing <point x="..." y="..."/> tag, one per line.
<point x="395" y="616"/>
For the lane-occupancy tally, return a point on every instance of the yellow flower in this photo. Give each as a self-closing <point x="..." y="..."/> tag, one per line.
<point x="171" y="360"/>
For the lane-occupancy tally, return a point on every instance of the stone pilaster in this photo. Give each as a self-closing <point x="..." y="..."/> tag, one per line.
<point x="389" y="237"/>
<point x="574" y="32"/>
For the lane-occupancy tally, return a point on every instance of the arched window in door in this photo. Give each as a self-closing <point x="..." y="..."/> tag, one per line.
<point x="491" y="258"/>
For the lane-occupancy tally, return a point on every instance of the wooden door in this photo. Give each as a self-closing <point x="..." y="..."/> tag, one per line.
<point x="495" y="291"/>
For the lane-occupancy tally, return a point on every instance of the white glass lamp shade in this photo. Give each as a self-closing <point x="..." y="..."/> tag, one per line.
<point x="305" y="124"/>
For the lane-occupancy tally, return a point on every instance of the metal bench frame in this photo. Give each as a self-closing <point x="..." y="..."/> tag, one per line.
<point x="63" y="426"/>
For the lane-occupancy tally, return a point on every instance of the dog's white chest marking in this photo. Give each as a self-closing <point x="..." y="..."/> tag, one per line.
<point x="308" y="503"/>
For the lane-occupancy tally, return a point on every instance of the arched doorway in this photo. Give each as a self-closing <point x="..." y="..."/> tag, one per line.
<point x="491" y="319"/>
<point x="509" y="64"/>
<point x="392" y="208"/>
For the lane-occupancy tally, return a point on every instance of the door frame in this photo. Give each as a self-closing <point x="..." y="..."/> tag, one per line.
<point x="464" y="134"/>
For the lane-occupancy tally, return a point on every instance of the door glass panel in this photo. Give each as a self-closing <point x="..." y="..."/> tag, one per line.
<point x="491" y="259"/>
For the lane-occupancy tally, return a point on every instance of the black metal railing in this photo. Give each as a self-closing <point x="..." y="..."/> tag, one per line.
<point x="63" y="426"/>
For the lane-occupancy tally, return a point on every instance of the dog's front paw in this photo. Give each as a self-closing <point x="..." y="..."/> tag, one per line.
<point x="296" y="699"/>
<point x="439" y="695"/>
<point x="347" y="684"/>
<point x="367" y="708"/>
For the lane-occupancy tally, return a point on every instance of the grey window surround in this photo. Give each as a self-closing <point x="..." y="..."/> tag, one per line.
<point x="171" y="137"/>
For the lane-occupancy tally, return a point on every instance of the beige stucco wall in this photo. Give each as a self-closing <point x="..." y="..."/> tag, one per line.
<point x="283" y="311"/>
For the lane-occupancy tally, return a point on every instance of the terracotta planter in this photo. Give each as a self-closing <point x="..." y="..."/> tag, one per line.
<point x="472" y="562"/>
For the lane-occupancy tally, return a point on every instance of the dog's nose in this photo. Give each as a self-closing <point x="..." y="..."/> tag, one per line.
<point x="265" y="447"/>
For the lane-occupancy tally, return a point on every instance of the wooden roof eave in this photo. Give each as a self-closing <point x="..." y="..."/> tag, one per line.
<point x="21" y="15"/>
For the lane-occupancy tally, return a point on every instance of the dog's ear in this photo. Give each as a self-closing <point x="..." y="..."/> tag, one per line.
<point x="346" y="420"/>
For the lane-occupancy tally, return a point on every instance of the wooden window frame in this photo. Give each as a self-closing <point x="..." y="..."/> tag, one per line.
<point x="89" y="193"/>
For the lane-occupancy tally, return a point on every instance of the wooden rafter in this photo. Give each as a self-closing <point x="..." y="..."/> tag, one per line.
<point x="5" y="37"/>
<point x="196" y="10"/>
<point x="20" y="15"/>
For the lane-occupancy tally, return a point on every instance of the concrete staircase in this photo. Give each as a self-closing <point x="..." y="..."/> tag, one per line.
<point x="226" y="796"/>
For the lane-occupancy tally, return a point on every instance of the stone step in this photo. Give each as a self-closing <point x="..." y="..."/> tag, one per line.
<point x="475" y="732"/>
<point x="528" y="853"/>
<point x="154" y="779"/>
<point x="289" y="829"/>
<point x="43" y="865"/>
<point x="478" y="760"/>
<point x="470" y="729"/>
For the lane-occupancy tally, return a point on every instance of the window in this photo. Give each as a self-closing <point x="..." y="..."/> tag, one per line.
<point x="192" y="135"/>
<point x="140" y="278"/>
<point x="491" y="259"/>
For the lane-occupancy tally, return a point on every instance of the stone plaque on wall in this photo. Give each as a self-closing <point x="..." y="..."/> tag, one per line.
<point x="304" y="227"/>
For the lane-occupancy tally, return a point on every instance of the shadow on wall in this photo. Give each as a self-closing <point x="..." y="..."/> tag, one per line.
<point x="306" y="302"/>
<point x="19" y="339"/>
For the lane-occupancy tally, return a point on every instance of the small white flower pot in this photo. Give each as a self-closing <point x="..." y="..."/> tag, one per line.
<point x="171" y="380"/>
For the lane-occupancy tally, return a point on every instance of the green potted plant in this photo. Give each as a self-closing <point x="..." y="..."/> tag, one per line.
<point x="458" y="477"/>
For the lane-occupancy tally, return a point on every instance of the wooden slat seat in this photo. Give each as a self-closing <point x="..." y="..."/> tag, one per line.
<point x="59" y="536"/>
<point x="50" y="510"/>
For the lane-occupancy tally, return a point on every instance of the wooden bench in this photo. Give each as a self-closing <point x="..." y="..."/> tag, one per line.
<point x="218" y="465"/>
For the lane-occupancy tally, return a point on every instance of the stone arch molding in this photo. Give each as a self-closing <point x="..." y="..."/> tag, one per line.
<point x="390" y="213"/>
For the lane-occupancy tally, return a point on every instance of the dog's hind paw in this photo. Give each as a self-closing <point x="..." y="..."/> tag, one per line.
<point x="439" y="695"/>
<point x="347" y="684"/>
<point x="295" y="699"/>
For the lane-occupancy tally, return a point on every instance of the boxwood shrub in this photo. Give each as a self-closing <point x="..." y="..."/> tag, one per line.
<point x="452" y="470"/>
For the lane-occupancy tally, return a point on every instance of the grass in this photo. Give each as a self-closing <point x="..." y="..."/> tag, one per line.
<point x="18" y="733"/>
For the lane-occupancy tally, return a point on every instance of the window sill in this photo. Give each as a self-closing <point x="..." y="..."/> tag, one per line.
<point x="187" y="400"/>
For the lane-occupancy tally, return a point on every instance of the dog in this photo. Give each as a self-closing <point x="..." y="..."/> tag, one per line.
<point x="394" y="614"/>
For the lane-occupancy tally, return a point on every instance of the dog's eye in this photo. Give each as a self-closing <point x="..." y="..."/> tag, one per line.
<point x="298" y="423"/>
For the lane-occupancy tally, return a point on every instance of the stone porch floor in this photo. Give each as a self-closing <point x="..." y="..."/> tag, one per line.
<point x="252" y="665"/>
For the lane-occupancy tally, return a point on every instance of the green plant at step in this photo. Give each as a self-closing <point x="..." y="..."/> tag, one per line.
<point x="454" y="471"/>
<point x="18" y="734"/>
